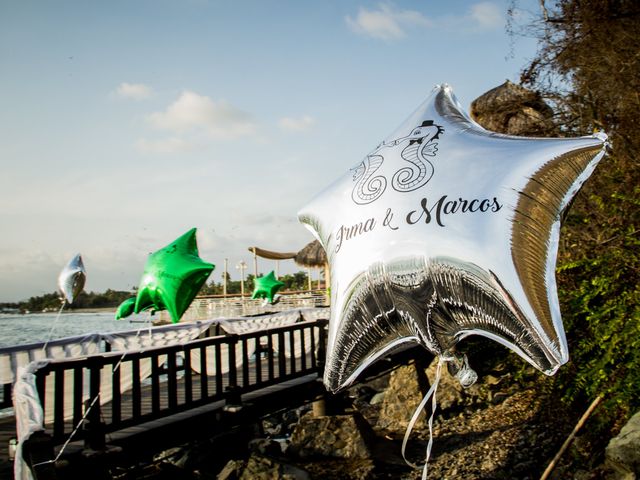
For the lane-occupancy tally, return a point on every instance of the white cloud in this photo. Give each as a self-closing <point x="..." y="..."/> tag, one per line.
<point x="135" y="91"/>
<point x="297" y="124"/>
<point x="164" y="146"/>
<point x="386" y="23"/>
<point x="192" y="112"/>
<point x="487" y="15"/>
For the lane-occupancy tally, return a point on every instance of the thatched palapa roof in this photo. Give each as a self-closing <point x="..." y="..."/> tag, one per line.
<point x="272" y="255"/>
<point x="312" y="255"/>
<point x="514" y="110"/>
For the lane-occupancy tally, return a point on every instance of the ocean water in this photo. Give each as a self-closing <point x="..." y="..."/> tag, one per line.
<point x="16" y="329"/>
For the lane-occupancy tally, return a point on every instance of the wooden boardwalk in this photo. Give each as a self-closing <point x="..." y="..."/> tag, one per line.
<point x="175" y="406"/>
<point x="174" y="398"/>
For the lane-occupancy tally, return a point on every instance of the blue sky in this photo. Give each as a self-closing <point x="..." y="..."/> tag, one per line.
<point x="125" y="123"/>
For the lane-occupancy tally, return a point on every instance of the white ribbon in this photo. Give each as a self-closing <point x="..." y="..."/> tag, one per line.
<point x="430" y="394"/>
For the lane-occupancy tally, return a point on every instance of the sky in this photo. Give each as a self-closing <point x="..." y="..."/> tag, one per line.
<point x="123" y="124"/>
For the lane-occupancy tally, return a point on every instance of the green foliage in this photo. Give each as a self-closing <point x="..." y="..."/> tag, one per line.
<point x="292" y="282"/>
<point x="602" y="315"/>
<point x="53" y="301"/>
<point x="297" y="281"/>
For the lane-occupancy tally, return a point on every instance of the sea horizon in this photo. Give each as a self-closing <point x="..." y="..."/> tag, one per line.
<point x="26" y="328"/>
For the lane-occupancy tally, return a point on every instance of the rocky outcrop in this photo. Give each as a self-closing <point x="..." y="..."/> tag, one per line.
<point x="623" y="452"/>
<point x="258" y="467"/>
<point x="514" y="110"/>
<point x="339" y="436"/>
<point x="407" y="385"/>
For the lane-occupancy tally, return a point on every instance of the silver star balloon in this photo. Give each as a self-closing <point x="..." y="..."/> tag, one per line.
<point x="447" y="230"/>
<point x="71" y="279"/>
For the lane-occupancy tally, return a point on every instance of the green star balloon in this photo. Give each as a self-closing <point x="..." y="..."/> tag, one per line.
<point x="266" y="287"/>
<point x="172" y="277"/>
<point x="126" y="308"/>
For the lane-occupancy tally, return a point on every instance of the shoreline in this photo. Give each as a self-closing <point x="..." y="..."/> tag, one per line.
<point x="68" y="311"/>
<point x="91" y="310"/>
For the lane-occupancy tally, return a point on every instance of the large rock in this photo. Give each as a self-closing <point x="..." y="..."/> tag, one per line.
<point x="407" y="386"/>
<point x="623" y="452"/>
<point x="259" y="467"/>
<point x="339" y="436"/>
<point x="514" y="110"/>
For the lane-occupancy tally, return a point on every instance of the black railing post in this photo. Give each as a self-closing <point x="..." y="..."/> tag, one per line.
<point x="37" y="451"/>
<point x="303" y="348"/>
<point x="322" y="346"/>
<point x="58" y="403"/>
<point x="233" y="372"/>
<point x="6" y="396"/>
<point x="204" y="381"/>
<point x="270" y="359"/>
<point x="172" y="380"/>
<point x="136" y="388"/>
<point x="188" y="381"/>
<point x="93" y="427"/>
<point x="155" y="383"/>
<point x="282" y="359"/>
<point x="41" y="386"/>
<point x="116" y="398"/>
<point x="78" y="390"/>
<point x="232" y="395"/>
<point x="320" y="404"/>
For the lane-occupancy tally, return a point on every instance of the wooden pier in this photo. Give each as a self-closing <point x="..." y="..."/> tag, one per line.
<point x="145" y="401"/>
<point x="240" y="376"/>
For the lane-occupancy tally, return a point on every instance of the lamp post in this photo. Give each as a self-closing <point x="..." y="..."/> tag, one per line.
<point x="255" y="263"/>
<point x="241" y="266"/>
<point x="224" y="277"/>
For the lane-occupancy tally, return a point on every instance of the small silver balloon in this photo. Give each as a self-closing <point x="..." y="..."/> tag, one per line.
<point x="71" y="279"/>
<point x="447" y="230"/>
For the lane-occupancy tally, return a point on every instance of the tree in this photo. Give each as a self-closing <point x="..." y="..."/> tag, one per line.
<point x="588" y="65"/>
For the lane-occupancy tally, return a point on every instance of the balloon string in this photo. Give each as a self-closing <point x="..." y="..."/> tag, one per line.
<point x="93" y="402"/>
<point x="431" y="394"/>
<point x="44" y="347"/>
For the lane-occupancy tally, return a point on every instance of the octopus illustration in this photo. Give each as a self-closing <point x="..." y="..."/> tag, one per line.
<point x="422" y="144"/>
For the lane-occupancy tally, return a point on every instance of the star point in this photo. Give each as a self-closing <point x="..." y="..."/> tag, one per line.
<point x="172" y="277"/>
<point x="266" y="287"/>
<point x="447" y="230"/>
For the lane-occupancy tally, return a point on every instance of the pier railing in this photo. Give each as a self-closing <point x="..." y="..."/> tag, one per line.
<point x="214" y="306"/>
<point x="13" y="357"/>
<point x="112" y="391"/>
